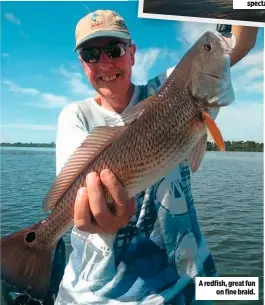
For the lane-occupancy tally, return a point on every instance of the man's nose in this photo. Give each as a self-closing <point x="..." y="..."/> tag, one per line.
<point x="104" y="62"/>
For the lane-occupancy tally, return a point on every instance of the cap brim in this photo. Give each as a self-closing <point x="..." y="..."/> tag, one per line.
<point x="115" y="34"/>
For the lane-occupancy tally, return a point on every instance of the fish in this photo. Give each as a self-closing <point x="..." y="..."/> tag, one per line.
<point x="159" y="133"/>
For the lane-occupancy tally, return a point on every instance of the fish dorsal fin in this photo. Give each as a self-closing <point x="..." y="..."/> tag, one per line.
<point x="197" y="154"/>
<point x="94" y="143"/>
<point x="128" y="116"/>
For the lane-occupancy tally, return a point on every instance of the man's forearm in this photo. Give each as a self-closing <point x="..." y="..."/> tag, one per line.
<point x="246" y="39"/>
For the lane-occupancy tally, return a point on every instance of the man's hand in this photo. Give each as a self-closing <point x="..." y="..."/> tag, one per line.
<point x="91" y="213"/>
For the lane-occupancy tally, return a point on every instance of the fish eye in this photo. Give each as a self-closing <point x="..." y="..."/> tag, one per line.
<point x="207" y="47"/>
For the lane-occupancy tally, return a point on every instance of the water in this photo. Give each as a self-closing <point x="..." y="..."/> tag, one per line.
<point x="228" y="194"/>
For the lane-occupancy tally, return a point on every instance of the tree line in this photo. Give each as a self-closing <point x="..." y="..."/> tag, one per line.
<point x="237" y="146"/>
<point x="229" y="145"/>
<point x="19" y="144"/>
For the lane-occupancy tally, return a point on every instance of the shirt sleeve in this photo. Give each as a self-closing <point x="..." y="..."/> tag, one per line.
<point x="155" y="83"/>
<point x="70" y="134"/>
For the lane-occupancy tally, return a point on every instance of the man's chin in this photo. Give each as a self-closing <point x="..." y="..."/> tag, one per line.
<point x="109" y="92"/>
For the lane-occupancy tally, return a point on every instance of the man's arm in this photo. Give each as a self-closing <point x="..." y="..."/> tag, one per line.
<point x="245" y="40"/>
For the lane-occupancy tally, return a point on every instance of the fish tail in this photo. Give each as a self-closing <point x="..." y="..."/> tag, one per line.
<point x="25" y="263"/>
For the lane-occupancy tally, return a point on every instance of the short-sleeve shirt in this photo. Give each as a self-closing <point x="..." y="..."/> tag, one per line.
<point x="156" y="257"/>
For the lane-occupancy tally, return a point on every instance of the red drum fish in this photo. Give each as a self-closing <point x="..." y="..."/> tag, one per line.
<point x="158" y="133"/>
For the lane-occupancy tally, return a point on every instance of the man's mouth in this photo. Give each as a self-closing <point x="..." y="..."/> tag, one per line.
<point x="109" y="78"/>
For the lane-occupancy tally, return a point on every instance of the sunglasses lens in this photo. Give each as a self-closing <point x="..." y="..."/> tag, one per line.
<point x="114" y="51"/>
<point x="90" y="55"/>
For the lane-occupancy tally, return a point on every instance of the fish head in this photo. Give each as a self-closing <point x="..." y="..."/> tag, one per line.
<point x="210" y="81"/>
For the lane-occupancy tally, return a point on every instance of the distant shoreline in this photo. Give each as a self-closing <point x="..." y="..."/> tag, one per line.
<point x="247" y="146"/>
<point x="19" y="144"/>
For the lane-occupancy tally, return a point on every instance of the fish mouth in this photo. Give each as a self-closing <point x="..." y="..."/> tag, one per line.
<point x="212" y="75"/>
<point x="228" y="42"/>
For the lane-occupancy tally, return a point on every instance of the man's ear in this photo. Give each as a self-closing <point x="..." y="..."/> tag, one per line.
<point x="132" y="53"/>
<point x="83" y="64"/>
<point x="79" y="57"/>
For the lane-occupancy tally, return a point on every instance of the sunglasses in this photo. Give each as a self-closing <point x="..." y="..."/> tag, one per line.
<point x="92" y="55"/>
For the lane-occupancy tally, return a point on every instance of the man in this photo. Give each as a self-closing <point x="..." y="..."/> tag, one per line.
<point x="154" y="247"/>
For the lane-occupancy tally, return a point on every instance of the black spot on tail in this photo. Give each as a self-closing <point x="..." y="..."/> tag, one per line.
<point x="31" y="236"/>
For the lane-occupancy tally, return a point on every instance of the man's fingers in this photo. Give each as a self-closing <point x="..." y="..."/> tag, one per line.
<point x="82" y="216"/>
<point x="97" y="201"/>
<point x="92" y="213"/>
<point x="116" y="190"/>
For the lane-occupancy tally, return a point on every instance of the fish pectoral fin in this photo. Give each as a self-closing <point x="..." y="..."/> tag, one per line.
<point x="128" y="116"/>
<point x="213" y="130"/>
<point x="99" y="139"/>
<point x="197" y="154"/>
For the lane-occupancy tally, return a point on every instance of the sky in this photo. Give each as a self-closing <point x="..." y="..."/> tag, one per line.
<point x="40" y="72"/>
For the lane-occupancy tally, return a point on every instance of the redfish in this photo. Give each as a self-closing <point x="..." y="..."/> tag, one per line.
<point x="158" y="133"/>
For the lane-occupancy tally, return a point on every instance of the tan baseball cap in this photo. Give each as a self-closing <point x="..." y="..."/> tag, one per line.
<point x="101" y="23"/>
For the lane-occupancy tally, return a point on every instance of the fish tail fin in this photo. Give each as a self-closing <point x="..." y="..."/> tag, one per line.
<point x="26" y="264"/>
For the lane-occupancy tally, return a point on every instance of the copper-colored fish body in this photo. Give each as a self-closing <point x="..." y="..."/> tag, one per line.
<point x="142" y="154"/>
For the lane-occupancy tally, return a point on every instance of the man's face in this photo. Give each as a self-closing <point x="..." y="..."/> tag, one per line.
<point x="111" y="77"/>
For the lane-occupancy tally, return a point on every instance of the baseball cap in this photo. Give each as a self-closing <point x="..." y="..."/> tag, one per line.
<point x="101" y="23"/>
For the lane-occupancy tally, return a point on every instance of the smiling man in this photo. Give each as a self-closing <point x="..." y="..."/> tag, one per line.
<point x="109" y="77"/>
<point x="153" y="248"/>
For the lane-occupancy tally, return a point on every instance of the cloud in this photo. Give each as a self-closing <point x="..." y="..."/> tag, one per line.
<point x="241" y="122"/>
<point x="53" y="101"/>
<point x="144" y="60"/>
<point x="41" y="100"/>
<point x="255" y="87"/>
<point x="247" y="75"/>
<point x="245" y="84"/>
<point x="191" y="32"/>
<point x="75" y="83"/>
<point x="254" y="58"/>
<point x="12" y="18"/>
<point x="15" y="88"/>
<point x="48" y="100"/>
<point x="30" y="127"/>
<point x="5" y="55"/>
<point x="255" y="73"/>
<point x="170" y="55"/>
